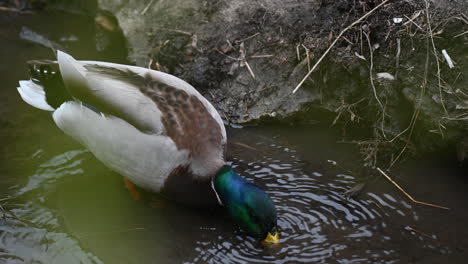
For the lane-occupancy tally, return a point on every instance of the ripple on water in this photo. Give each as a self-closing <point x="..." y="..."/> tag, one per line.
<point x="30" y="231"/>
<point x="21" y="242"/>
<point x="317" y="223"/>
<point x="67" y="163"/>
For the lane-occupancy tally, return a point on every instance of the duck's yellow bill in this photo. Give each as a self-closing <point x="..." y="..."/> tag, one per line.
<point x="271" y="239"/>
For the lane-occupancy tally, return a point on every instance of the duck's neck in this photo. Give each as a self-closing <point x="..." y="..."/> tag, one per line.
<point x="229" y="186"/>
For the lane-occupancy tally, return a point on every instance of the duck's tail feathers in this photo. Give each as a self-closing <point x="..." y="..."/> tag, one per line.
<point x="45" y="90"/>
<point x="73" y="74"/>
<point x="34" y="95"/>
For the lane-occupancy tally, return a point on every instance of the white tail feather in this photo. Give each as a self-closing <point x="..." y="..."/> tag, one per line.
<point x="34" y="95"/>
<point x="73" y="73"/>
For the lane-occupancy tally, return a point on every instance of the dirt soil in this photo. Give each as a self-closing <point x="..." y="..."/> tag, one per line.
<point x="385" y="84"/>
<point x="246" y="57"/>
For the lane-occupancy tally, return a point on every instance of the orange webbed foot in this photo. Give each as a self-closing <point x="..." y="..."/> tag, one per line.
<point x="132" y="189"/>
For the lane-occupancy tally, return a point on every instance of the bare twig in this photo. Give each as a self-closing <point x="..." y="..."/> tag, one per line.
<point x="371" y="67"/>
<point x="347" y="40"/>
<point x="232" y="58"/>
<point x="307" y="56"/>
<point x="180" y="32"/>
<point x="298" y="53"/>
<point x="436" y="58"/>
<point x="247" y="38"/>
<point x="411" y="20"/>
<point x="335" y="41"/>
<point x="243" y="59"/>
<point x="411" y="126"/>
<point x="370" y="71"/>
<point x="250" y="69"/>
<point x="245" y="146"/>
<point x="409" y="196"/>
<point x="261" y="56"/>
<point x="399" y="134"/>
<point x="150" y="63"/>
<point x="299" y="67"/>
<point x="461" y="34"/>
<point x="397" y="60"/>
<point x="147" y="7"/>
<point x="346" y="107"/>
<point x="415" y="116"/>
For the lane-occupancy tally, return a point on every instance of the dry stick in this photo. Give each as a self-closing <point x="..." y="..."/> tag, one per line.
<point x="250" y="69"/>
<point x="307" y="56"/>
<point x="335" y="41"/>
<point x="411" y="126"/>
<point x="371" y="67"/>
<point x="437" y="59"/>
<point x="397" y="62"/>
<point x="249" y="37"/>
<point x="232" y="58"/>
<point x="399" y="134"/>
<point x="415" y="116"/>
<point x="261" y="56"/>
<point x="407" y="195"/>
<point x="297" y="53"/>
<point x="147" y="7"/>
<point x="411" y="20"/>
<point x="245" y="146"/>
<point x="370" y="70"/>
<point x="150" y="63"/>
<point x="461" y="34"/>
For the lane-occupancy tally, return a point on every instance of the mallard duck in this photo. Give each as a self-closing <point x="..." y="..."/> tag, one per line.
<point x="154" y="129"/>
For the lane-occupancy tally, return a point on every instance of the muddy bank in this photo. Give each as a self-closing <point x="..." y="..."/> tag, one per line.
<point x="385" y="84"/>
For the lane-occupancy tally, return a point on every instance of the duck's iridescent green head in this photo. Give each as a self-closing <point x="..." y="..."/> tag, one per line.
<point x="248" y="204"/>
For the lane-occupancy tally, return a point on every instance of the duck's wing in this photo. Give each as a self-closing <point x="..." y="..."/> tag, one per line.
<point x="154" y="103"/>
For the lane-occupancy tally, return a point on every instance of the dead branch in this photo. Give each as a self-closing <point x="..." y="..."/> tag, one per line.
<point x="397" y="60"/>
<point x="409" y="196"/>
<point x="147" y="7"/>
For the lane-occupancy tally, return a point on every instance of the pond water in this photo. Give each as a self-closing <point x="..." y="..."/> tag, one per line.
<point x="66" y="207"/>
